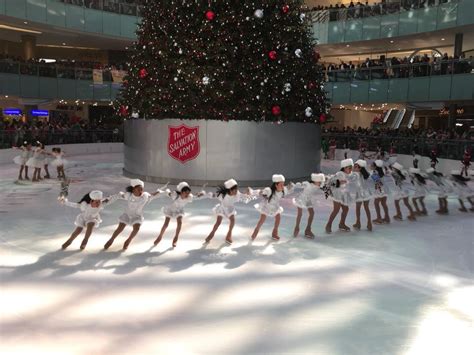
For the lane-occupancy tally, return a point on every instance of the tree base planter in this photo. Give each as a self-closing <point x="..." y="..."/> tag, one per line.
<point x="210" y="152"/>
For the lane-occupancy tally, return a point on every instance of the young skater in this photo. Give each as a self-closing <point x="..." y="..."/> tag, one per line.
<point x="466" y="162"/>
<point x="381" y="192"/>
<point x="363" y="194"/>
<point x="90" y="205"/>
<point x="181" y="197"/>
<point x="416" y="160"/>
<point x="400" y="178"/>
<point x="311" y="189"/>
<point x="228" y="195"/>
<point x="21" y="159"/>
<point x="443" y="187"/>
<point x="45" y="158"/>
<point x="462" y="190"/>
<point x="59" y="162"/>
<point x="37" y="161"/>
<point x="419" y="195"/>
<point x="136" y="199"/>
<point x="270" y="206"/>
<point x="434" y="158"/>
<point x="341" y="196"/>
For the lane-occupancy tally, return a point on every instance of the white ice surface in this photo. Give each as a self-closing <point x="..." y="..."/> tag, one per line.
<point x="406" y="288"/>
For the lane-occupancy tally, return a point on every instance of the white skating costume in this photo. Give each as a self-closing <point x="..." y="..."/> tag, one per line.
<point x="362" y="187"/>
<point x="310" y="192"/>
<point x="402" y="186"/>
<point x="23" y="157"/>
<point x="36" y="161"/>
<point x="270" y="205"/>
<point x="226" y="205"/>
<point x="135" y="204"/>
<point x="341" y="193"/>
<point x="176" y="208"/>
<point x="88" y="213"/>
<point x="381" y="188"/>
<point x="58" y="159"/>
<point x="444" y="188"/>
<point x="420" y="188"/>
<point x="460" y="187"/>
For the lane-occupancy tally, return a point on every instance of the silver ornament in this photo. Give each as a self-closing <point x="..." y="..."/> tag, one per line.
<point x="258" y="13"/>
<point x="308" y="112"/>
<point x="298" y="53"/>
<point x="205" y="80"/>
<point x="287" y="87"/>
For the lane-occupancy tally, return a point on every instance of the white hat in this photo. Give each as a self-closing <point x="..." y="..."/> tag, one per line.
<point x="340" y="175"/>
<point x="414" y="171"/>
<point x="230" y="184"/>
<point x="455" y="172"/>
<point x="181" y="186"/>
<point x="96" y="195"/>
<point x="347" y="162"/>
<point x="378" y="163"/>
<point x="361" y="163"/>
<point x="278" y="178"/>
<point x="397" y="166"/>
<point x="318" y="177"/>
<point x="136" y="182"/>
<point x="430" y="170"/>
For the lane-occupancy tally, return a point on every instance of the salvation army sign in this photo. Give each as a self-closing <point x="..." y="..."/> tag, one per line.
<point x="183" y="142"/>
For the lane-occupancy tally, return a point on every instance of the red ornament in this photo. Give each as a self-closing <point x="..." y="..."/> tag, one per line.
<point x="285" y="9"/>
<point x="210" y="15"/>
<point x="311" y="85"/>
<point x="322" y="118"/>
<point x="143" y="73"/>
<point x="123" y="110"/>
<point x="276" y="110"/>
<point x="272" y="55"/>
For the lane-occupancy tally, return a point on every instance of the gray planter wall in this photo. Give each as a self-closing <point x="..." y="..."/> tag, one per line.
<point x="250" y="152"/>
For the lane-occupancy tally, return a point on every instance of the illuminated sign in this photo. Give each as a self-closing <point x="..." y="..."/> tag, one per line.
<point x="12" y="111"/>
<point x="39" y="113"/>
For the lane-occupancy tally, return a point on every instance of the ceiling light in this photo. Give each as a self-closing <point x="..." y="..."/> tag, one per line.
<point x="348" y="45"/>
<point x="19" y="29"/>
<point x="64" y="44"/>
<point x="25" y="22"/>
<point x="443" y="39"/>
<point x="391" y="41"/>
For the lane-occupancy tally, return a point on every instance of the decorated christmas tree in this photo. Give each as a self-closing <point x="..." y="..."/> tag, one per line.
<point x="224" y="60"/>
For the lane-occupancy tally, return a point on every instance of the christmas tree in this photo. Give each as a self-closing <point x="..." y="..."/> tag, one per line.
<point x="224" y="60"/>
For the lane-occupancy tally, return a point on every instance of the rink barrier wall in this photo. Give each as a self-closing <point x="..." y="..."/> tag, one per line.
<point x="249" y="152"/>
<point x="445" y="165"/>
<point x="7" y="155"/>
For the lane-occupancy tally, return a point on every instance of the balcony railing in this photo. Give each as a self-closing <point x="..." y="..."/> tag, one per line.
<point x="117" y="6"/>
<point x="60" y="72"/>
<point x="382" y="8"/>
<point x="70" y="136"/>
<point x="412" y="70"/>
<point x="448" y="149"/>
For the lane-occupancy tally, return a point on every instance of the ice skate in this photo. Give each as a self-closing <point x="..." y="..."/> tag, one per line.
<point x="356" y="226"/>
<point x="296" y="232"/>
<point x="398" y="217"/>
<point x="377" y="221"/>
<point x="309" y="234"/>
<point x="344" y="228"/>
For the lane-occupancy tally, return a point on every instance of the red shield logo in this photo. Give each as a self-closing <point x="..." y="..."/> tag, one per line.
<point x="183" y="142"/>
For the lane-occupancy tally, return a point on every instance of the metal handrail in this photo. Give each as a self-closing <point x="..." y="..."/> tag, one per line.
<point x="382" y="8"/>
<point x="68" y="136"/>
<point x="388" y="71"/>
<point x="116" y="6"/>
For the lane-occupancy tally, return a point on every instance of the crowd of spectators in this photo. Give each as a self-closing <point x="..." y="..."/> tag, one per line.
<point x="125" y="7"/>
<point x="359" y="9"/>
<point x="447" y="143"/>
<point x="61" y="68"/>
<point x="59" y="131"/>
<point x="419" y="65"/>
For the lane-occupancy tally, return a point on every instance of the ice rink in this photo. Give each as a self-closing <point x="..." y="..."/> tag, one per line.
<point x="405" y="288"/>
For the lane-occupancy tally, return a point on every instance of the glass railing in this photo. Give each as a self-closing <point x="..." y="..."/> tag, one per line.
<point x="412" y="70"/>
<point x="61" y="72"/>
<point x="360" y="10"/>
<point x="117" y="6"/>
<point x="448" y="149"/>
<point x="69" y="136"/>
